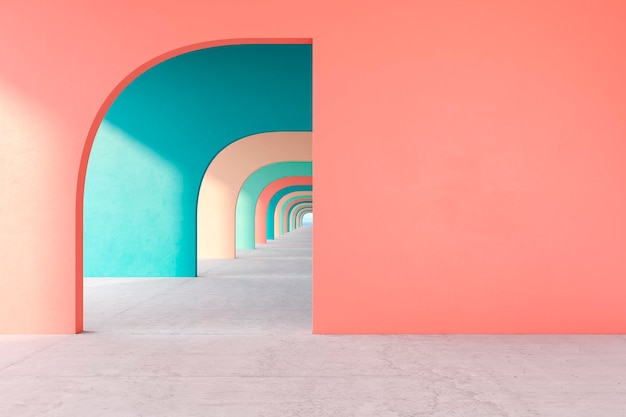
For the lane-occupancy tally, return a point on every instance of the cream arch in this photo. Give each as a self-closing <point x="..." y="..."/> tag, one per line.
<point x="225" y="176"/>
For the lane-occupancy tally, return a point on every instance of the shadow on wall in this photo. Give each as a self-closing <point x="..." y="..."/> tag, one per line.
<point x="158" y="138"/>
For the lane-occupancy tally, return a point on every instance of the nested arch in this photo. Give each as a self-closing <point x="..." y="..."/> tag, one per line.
<point x="271" y="212"/>
<point x="279" y="212"/>
<point x="251" y="196"/>
<point x="285" y="210"/>
<point x="294" y="213"/>
<point x="159" y="136"/>
<point x="260" y="214"/>
<point x="299" y="219"/>
<point x="291" y="215"/>
<point x="225" y="177"/>
<point x="303" y="219"/>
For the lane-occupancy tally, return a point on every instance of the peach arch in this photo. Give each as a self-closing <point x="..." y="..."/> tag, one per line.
<point x="223" y="179"/>
<point x="283" y="206"/>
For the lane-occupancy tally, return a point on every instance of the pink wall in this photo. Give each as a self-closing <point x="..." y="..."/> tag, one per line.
<point x="496" y="127"/>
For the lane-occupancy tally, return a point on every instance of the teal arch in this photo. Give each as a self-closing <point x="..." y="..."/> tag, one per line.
<point x="282" y="225"/>
<point x="252" y="189"/>
<point x="288" y="227"/>
<point x="159" y="136"/>
<point x="271" y="207"/>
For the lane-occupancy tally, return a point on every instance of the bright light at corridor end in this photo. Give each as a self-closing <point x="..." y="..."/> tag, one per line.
<point x="307" y="219"/>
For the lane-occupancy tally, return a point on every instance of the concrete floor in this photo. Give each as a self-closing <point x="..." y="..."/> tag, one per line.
<point x="236" y="342"/>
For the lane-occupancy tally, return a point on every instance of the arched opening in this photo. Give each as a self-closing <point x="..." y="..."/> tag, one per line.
<point x="156" y="135"/>
<point x="224" y="180"/>
<point x="307" y="219"/>
<point x="276" y="204"/>
<point x="263" y="201"/>
<point x="282" y="210"/>
<point x="297" y="213"/>
<point x="291" y="207"/>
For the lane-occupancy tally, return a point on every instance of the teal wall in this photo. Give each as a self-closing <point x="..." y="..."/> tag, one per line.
<point x="158" y="138"/>
<point x="271" y="207"/>
<point x="252" y="189"/>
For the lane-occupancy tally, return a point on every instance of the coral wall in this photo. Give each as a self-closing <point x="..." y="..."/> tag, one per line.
<point x="483" y="140"/>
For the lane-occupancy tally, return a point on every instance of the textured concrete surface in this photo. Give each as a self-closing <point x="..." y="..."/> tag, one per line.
<point x="236" y="342"/>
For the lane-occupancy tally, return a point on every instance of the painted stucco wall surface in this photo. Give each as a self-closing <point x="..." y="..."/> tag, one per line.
<point x="496" y="127"/>
<point x="158" y="138"/>
<point x="252" y="189"/>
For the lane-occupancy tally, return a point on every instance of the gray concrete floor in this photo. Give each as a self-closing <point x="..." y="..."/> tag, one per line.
<point x="236" y="342"/>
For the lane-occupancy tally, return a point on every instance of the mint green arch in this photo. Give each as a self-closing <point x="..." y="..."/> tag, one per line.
<point x="293" y="212"/>
<point x="283" y="226"/>
<point x="252" y="189"/>
<point x="271" y="207"/>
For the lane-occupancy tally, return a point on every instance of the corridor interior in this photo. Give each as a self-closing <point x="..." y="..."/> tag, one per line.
<point x="237" y="341"/>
